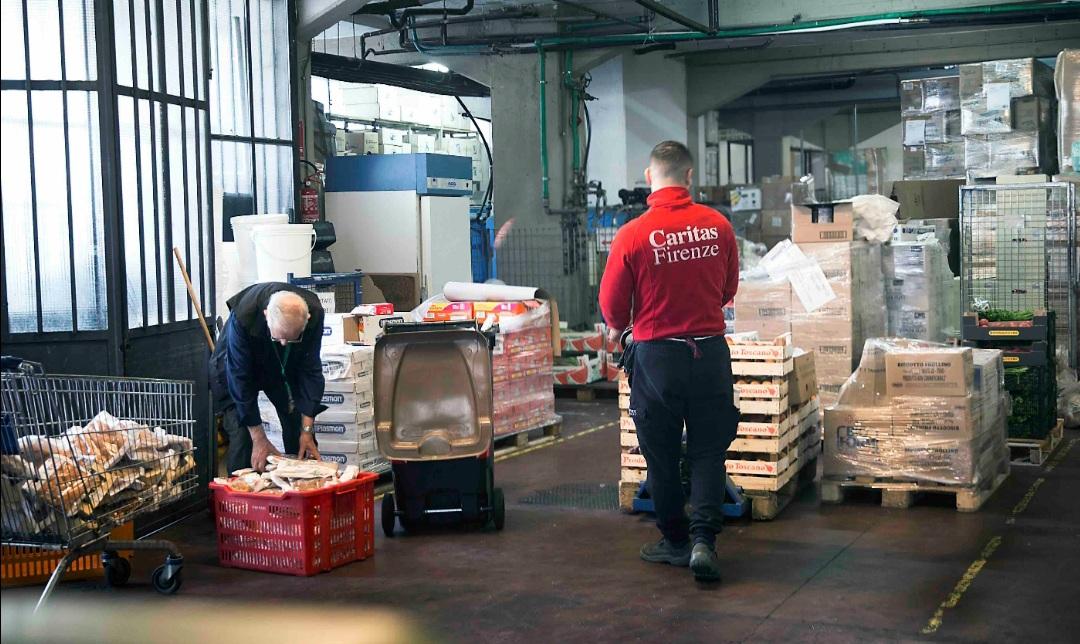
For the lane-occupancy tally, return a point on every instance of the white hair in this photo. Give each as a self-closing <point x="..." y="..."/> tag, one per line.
<point x="286" y="314"/>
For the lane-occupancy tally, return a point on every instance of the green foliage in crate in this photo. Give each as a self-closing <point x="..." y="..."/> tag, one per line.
<point x="1033" y="391"/>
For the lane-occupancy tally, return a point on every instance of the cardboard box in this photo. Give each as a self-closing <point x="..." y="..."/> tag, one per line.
<point x="928" y="199"/>
<point x="344" y="431"/>
<point x="933" y="372"/>
<point x="584" y="371"/>
<point x="763" y="306"/>
<point x="951" y="416"/>
<point x="450" y="312"/>
<point x="776" y="222"/>
<point x="802" y="383"/>
<point x="776" y="193"/>
<point x="360" y="384"/>
<point x="345" y="401"/>
<point x="823" y="222"/>
<point x="745" y="198"/>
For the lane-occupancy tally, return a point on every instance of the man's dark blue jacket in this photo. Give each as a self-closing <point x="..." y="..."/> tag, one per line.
<point x="246" y="360"/>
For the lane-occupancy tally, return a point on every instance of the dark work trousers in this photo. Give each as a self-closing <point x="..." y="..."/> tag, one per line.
<point x="238" y="456"/>
<point x="673" y="382"/>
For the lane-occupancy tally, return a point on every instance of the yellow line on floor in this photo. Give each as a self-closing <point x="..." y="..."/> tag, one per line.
<point x="557" y="441"/>
<point x="1060" y="456"/>
<point x="961" y="586"/>
<point x="976" y="566"/>
<point x="551" y="443"/>
<point x="1022" y="505"/>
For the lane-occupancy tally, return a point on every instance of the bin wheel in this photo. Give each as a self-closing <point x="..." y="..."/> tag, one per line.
<point x="498" y="508"/>
<point x="388" y="518"/>
<point x="117" y="570"/>
<point x="167" y="584"/>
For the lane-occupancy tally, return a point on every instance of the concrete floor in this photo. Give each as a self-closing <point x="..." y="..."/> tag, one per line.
<point x="853" y="572"/>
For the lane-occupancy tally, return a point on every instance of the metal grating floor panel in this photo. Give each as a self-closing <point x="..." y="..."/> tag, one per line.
<point x="578" y="496"/>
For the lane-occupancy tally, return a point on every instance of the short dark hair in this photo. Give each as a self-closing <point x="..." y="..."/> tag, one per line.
<point x="672" y="159"/>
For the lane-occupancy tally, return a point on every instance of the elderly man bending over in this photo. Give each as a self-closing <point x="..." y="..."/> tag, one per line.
<point x="271" y="344"/>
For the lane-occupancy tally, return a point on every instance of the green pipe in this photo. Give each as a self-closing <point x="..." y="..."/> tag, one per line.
<point x="574" y="135"/>
<point x="616" y="40"/>
<point x="765" y="30"/>
<point x="543" y="124"/>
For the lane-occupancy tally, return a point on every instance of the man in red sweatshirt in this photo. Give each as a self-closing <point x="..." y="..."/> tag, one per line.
<point x="670" y="272"/>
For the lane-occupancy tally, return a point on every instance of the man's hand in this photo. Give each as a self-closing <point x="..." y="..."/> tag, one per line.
<point x="260" y="450"/>
<point x="307" y="447"/>
<point x="613" y="336"/>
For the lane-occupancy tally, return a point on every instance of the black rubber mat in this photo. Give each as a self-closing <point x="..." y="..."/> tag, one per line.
<point x="580" y="496"/>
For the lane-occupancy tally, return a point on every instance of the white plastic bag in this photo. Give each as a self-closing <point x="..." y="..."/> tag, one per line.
<point x="875" y="217"/>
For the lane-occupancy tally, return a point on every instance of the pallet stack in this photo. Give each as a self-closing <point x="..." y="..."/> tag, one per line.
<point x="631" y="460"/>
<point x="1028" y="348"/>
<point x="582" y="359"/>
<point x="779" y="433"/>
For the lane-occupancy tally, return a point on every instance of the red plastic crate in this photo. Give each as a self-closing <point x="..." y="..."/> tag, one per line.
<point x="297" y="533"/>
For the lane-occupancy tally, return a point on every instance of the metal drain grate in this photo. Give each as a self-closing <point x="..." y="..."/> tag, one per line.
<point x="580" y="496"/>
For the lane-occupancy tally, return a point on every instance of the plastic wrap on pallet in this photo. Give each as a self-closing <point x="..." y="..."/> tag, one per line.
<point x="917" y="288"/>
<point x="941" y="94"/>
<point x="911" y="97"/>
<point x="522" y="374"/>
<point x="901" y="416"/>
<point x="944" y="160"/>
<point x="938" y="127"/>
<point x="1000" y="80"/>
<point x="1004" y="154"/>
<point x="914" y="161"/>
<point x="763" y="305"/>
<point x="837" y="330"/>
<point x="1067" y="87"/>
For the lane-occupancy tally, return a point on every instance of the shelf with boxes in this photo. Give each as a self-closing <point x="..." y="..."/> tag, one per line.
<point x="589" y="364"/>
<point x="918" y="417"/>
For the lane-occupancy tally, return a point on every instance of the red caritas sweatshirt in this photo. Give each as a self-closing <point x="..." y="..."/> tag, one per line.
<point x="671" y="270"/>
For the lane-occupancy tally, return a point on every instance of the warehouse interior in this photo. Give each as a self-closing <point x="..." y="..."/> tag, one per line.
<point x="444" y="185"/>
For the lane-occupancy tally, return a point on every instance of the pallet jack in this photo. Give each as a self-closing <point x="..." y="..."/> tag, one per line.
<point x="735" y="504"/>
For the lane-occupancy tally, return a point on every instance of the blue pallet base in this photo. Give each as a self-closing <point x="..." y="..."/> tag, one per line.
<point x="735" y="504"/>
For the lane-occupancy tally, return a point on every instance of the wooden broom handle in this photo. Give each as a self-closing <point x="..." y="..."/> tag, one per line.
<point x="194" y="299"/>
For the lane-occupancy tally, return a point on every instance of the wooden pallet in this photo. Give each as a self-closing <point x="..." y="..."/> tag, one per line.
<point x="762" y="476"/>
<point x="627" y="492"/>
<point x="1028" y="451"/>
<point x="589" y="392"/>
<point x="507" y="443"/>
<point x="903" y="494"/>
<point x="766" y="505"/>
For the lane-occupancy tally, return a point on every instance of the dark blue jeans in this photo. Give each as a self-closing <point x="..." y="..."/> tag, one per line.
<point x="673" y="383"/>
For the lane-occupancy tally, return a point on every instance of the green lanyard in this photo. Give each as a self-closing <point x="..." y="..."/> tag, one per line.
<point x="282" y="360"/>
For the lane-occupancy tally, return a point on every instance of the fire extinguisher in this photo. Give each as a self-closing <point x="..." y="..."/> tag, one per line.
<point x="310" y="212"/>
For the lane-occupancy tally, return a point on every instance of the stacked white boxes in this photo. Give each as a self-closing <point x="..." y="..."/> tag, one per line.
<point x="345" y="432"/>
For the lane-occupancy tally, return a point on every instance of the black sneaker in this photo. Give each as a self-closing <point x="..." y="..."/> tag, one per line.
<point x="663" y="551"/>
<point x="704" y="563"/>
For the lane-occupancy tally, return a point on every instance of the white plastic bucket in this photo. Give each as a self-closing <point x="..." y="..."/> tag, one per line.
<point x="242" y="226"/>
<point x="281" y="249"/>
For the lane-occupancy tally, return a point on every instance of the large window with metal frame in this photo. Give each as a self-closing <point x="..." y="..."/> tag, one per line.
<point x="251" y="125"/>
<point x="106" y="164"/>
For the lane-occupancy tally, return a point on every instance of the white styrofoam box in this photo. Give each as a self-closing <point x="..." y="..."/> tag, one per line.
<point x="347" y="362"/>
<point x="333" y="333"/>
<point x="346" y="400"/>
<point x="353" y="432"/>
<point x="423" y="143"/>
<point x="350" y="416"/>
<point x="395" y="149"/>
<point x="363" y="383"/>
<point x="391" y="136"/>
<point x="360" y="94"/>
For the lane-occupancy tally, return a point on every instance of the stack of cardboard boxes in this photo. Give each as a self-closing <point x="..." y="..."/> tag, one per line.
<point x="919" y="412"/>
<point x="1007" y="117"/>
<point x="345" y="432"/>
<point x="836" y="331"/>
<point x="930" y="117"/>
<point x="582" y="360"/>
<point x="776" y="200"/>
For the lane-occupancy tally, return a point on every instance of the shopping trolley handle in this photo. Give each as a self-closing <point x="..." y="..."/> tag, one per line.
<point x="15" y="364"/>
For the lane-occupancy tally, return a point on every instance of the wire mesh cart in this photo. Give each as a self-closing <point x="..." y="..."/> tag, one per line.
<point x="1019" y="252"/>
<point x="82" y="455"/>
